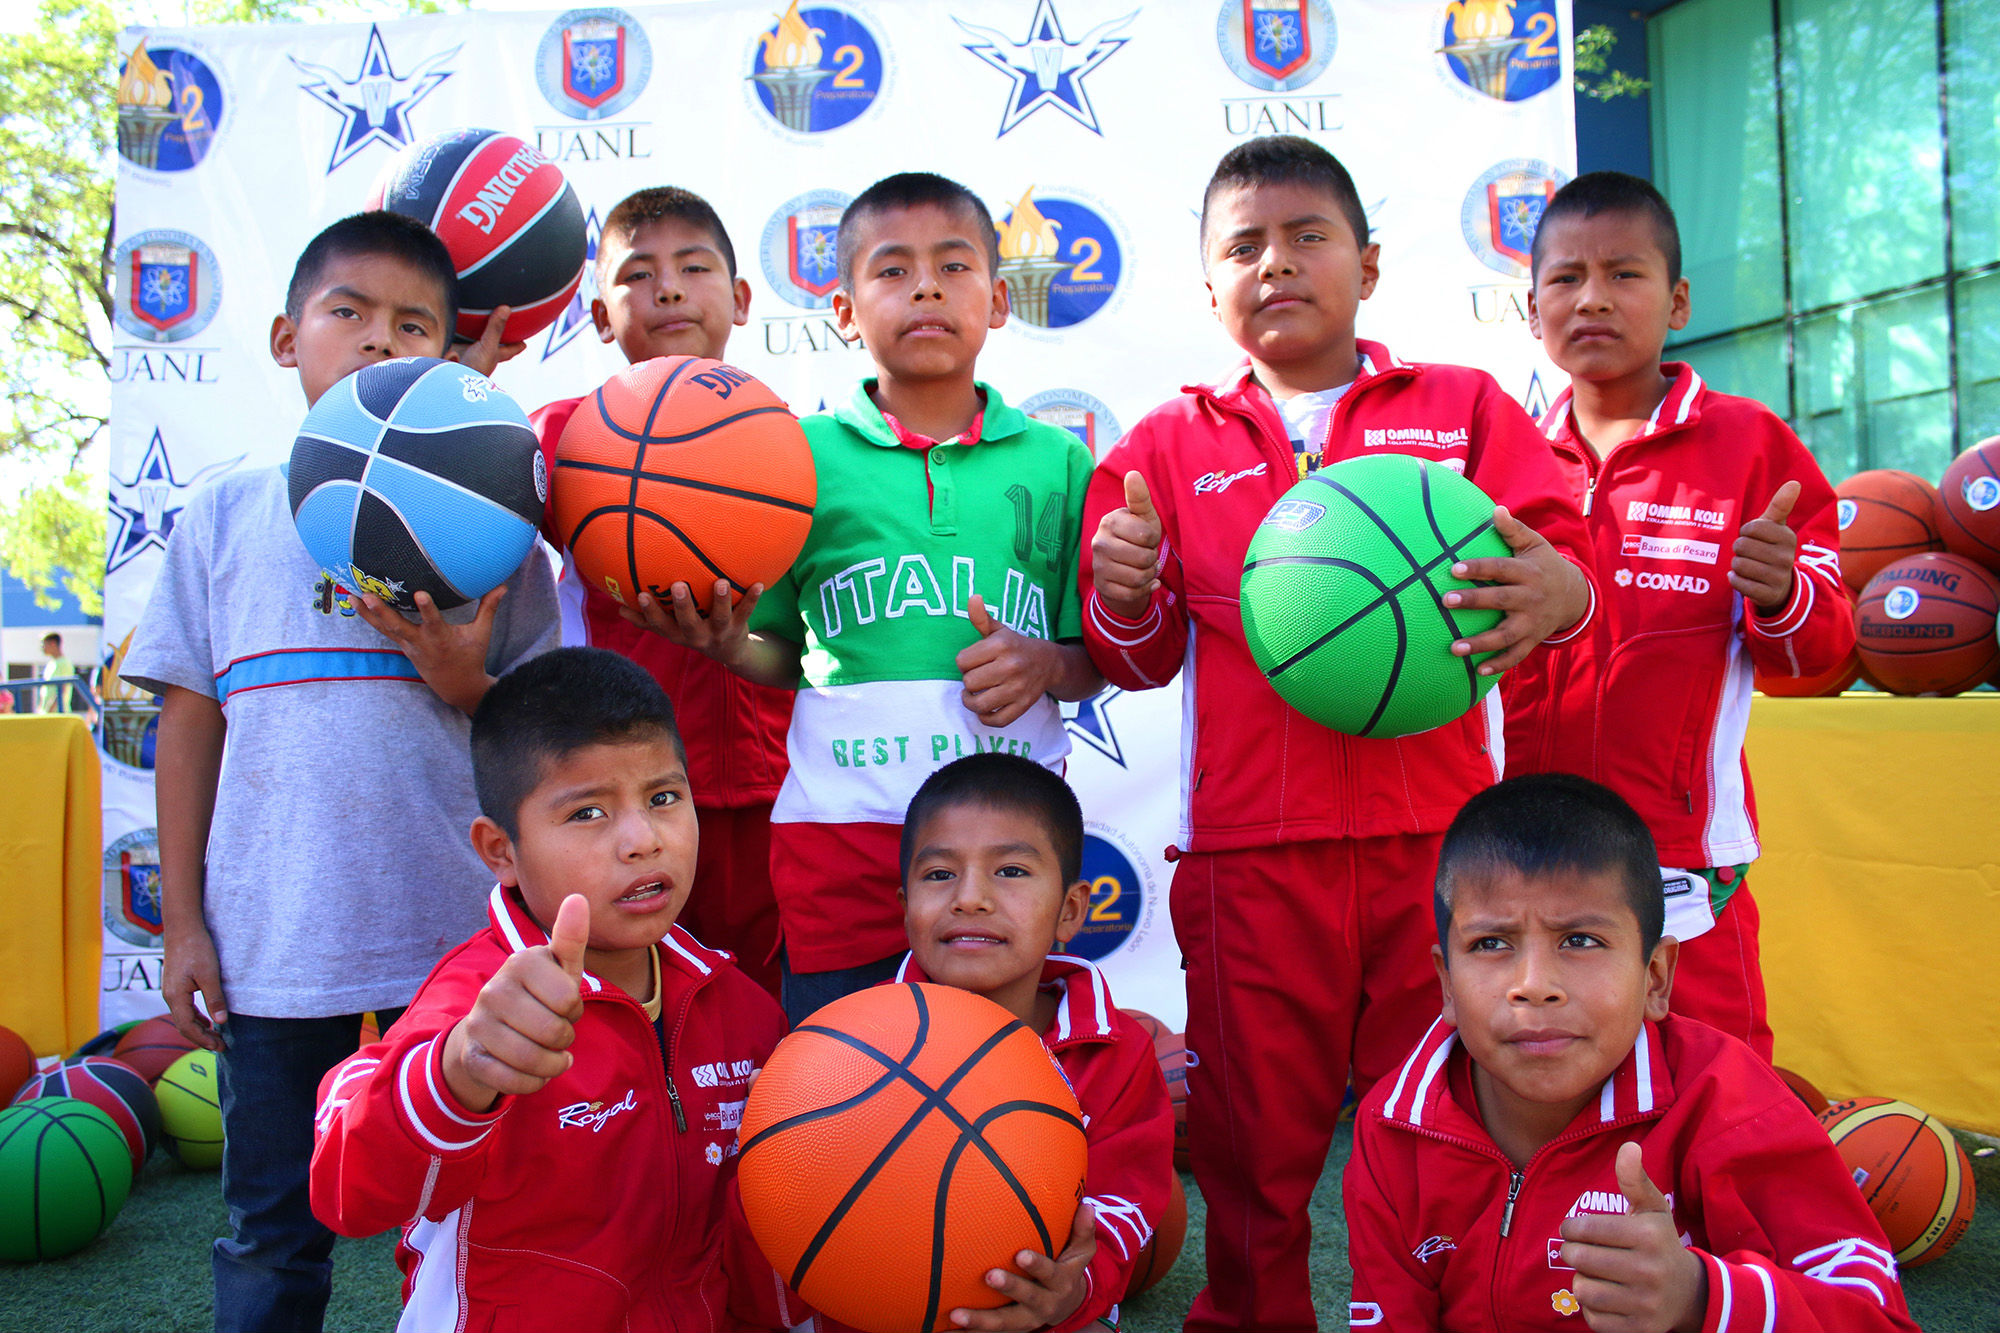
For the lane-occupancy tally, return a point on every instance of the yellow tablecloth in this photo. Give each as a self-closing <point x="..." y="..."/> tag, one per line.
<point x="51" y="876"/>
<point x="1880" y="893"/>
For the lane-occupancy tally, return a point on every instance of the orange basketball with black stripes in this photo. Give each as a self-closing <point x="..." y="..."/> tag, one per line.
<point x="898" y="1145"/>
<point x="1911" y="1170"/>
<point x="682" y="469"/>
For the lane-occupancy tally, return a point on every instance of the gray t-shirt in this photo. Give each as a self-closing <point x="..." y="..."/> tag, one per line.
<point x="339" y="868"/>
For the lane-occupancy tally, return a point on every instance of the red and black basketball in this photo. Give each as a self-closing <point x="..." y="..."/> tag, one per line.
<point x="113" y="1087"/>
<point x="1885" y="514"/>
<point x="1925" y="625"/>
<point x="1171" y="1050"/>
<point x="150" y="1047"/>
<point x="1969" y="504"/>
<point x="507" y="215"/>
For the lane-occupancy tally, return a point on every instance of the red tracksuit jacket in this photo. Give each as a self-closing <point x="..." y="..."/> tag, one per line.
<point x="1655" y="701"/>
<point x="1128" y="1123"/>
<point x="1215" y="460"/>
<point x="734" y="731"/>
<point x="1443" y="1232"/>
<point x="605" y="1201"/>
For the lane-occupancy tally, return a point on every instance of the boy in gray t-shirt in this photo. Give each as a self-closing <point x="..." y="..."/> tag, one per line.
<point x="316" y="867"/>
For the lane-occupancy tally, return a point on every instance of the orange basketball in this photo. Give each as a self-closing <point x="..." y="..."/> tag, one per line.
<point x="150" y="1047"/>
<point x="1806" y="1091"/>
<point x="681" y="468"/>
<point x="1814" y="687"/>
<point x="1926" y="625"/>
<point x="1163" y="1251"/>
<point x="1911" y="1171"/>
<point x="1969" y="504"/>
<point x="899" y="1144"/>
<point x="1153" y="1027"/>
<point x="1170" y="1048"/>
<point x="1885" y="514"/>
<point x="17" y="1063"/>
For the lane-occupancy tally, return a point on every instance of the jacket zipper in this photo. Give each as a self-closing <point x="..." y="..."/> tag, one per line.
<point x="1507" y="1213"/>
<point x="667" y="1073"/>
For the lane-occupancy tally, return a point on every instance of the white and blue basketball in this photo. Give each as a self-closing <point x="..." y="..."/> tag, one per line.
<point x="417" y="475"/>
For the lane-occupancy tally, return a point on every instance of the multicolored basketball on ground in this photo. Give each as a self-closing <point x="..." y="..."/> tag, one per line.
<point x="1343" y="595"/>
<point x="64" y="1174"/>
<point x="1910" y="1169"/>
<point x="191" y="1111"/>
<point x="150" y="1046"/>
<point x="1969" y="504"/>
<point x="17" y="1062"/>
<point x="1170" y="1049"/>
<point x="113" y="1087"/>
<point x="1885" y="514"/>
<point x="1814" y="687"/>
<point x="900" y="1143"/>
<point x="510" y="220"/>
<point x="681" y="468"/>
<point x="1926" y="625"/>
<point x="1163" y="1251"/>
<point x="417" y="475"/>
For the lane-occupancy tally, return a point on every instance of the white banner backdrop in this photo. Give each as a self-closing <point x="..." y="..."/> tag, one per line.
<point x="1105" y="117"/>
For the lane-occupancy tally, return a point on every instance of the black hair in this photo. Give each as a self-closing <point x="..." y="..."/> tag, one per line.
<point x="1002" y="782"/>
<point x="1285" y="159"/>
<point x="659" y="203"/>
<point x="375" y="233"/>
<point x="554" y="705"/>
<point x="1597" y="192"/>
<point x="913" y="189"/>
<point x="52" y="637"/>
<point x="1548" y="823"/>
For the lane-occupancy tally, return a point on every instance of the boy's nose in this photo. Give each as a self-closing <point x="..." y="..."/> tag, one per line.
<point x="1535" y="981"/>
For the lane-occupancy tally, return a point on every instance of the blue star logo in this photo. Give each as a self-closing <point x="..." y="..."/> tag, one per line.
<point x="1046" y="67"/>
<point x="161" y="496"/>
<point x="1536" y="401"/>
<point x="375" y="104"/>
<point x="575" y="317"/>
<point x="1091" y="724"/>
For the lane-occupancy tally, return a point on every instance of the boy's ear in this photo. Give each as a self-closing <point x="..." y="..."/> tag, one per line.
<point x="600" y="315"/>
<point x="1075" y="908"/>
<point x="285" y="342"/>
<point x="1683" y="308"/>
<point x="1371" y="269"/>
<point x="1003" y="304"/>
<point x="742" y="289"/>
<point x="496" y="849"/>
<point x="843" y="315"/>
<point x="1444" y="984"/>
<point x="1535" y="316"/>
<point x="1660" y="977"/>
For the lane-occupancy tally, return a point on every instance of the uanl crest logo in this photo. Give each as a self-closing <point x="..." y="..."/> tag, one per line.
<point x="819" y="67"/>
<point x="799" y="250"/>
<point x="1061" y="256"/>
<point x="592" y="62"/>
<point x="1077" y="412"/>
<point x="1121" y="889"/>
<point x="1044" y="67"/>
<point x="171" y="105"/>
<point x="1502" y="209"/>
<point x="132" y="888"/>
<point x="576" y="316"/>
<point x="1508" y="50"/>
<point x="1276" y="45"/>
<point x="167" y="286"/>
<point x="375" y="104"/>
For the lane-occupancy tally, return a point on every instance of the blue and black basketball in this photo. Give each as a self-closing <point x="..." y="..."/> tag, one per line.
<point x="417" y="475"/>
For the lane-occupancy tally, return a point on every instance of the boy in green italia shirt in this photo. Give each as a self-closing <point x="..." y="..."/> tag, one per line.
<point x="934" y="610"/>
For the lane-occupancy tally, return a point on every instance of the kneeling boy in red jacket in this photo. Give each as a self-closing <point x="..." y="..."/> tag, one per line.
<point x="553" y="1119"/>
<point x="1506" y="1176"/>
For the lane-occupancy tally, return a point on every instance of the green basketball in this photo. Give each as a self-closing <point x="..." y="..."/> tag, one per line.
<point x="191" y="1111"/>
<point x="1343" y="590"/>
<point x="65" y="1169"/>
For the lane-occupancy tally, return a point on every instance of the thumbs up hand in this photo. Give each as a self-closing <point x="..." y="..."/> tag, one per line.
<point x="1005" y="671"/>
<point x="1633" y="1275"/>
<point x="1765" y="550"/>
<point x="1125" y="553"/>
<point x="518" y="1035"/>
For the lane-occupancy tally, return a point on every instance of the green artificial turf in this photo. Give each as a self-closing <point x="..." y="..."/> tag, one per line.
<point x="150" y="1270"/>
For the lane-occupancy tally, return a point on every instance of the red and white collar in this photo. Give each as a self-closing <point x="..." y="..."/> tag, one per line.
<point x="510" y="919"/>
<point x="1421" y="1095"/>
<point x="1375" y="358"/>
<point x="1678" y="408"/>
<point x="1084" y="1011"/>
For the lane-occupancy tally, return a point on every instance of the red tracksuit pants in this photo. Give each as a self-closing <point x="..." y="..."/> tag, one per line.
<point x="731" y="905"/>
<point x="1720" y="978"/>
<point x="1301" y="958"/>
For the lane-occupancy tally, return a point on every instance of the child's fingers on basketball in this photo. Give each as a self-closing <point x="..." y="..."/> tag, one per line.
<point x="1780" y="508"/>
<point x="1513" y="531"/>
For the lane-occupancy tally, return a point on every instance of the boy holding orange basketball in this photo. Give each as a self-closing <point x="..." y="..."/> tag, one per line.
<point x="933" y="611"/>
<point x="553" y="1120"/>
<point x="993" y="887"/>
<point x="1718" y="543"/>
<point x="667" y="286"/>
<point x="1558" y="1144"/>
<point x="1302" y="851"/>
<point x="293" y="894"/>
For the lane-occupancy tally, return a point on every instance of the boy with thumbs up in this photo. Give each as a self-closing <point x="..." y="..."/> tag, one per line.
<point x="553" y="1120"/>
<point x="1718" y="553"/>
<point x="933" y="612"/>
<point x="1559" y="1145"/>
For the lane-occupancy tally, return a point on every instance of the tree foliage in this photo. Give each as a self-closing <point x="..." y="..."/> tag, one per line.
<point x="54" y="540"/>
<point x="1594" y="75"/>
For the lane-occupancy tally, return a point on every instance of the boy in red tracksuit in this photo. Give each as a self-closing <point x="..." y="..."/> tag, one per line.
<point x="667" y="286"/>
<point x="1558" y="1145"/>
<point x="553" y="1120"/>
<point x="1301" y="851"/>
<point x="992" y="857"/>
<point x="1717" y="548"/>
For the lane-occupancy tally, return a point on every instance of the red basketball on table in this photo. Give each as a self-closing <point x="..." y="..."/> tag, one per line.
<point x="682" y="469"/>
<point x="1926" y="625"/>
<point x="1885" y="514"/>
<point x="1910" y="1169"/>
<point x="1969" y="504"/>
